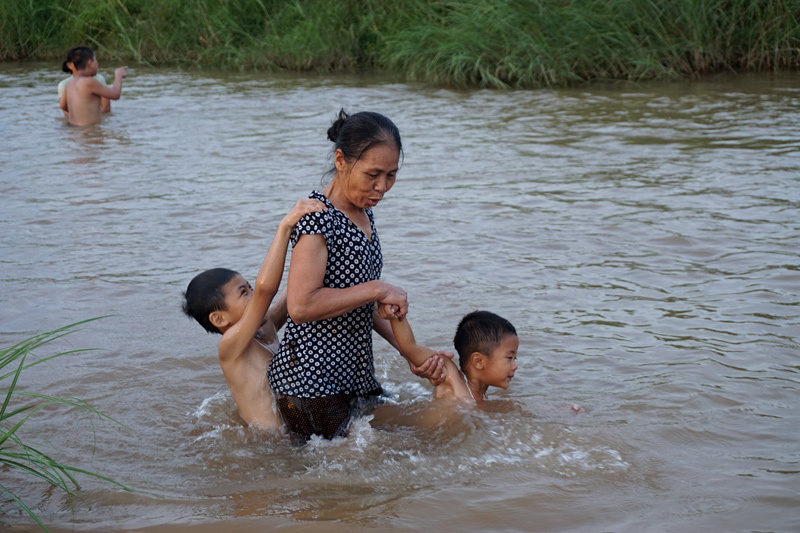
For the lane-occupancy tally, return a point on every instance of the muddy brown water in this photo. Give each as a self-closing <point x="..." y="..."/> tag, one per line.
<point x="642" y="238"/>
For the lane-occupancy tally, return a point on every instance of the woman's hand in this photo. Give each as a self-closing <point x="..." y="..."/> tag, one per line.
<point x="392" y="302"/>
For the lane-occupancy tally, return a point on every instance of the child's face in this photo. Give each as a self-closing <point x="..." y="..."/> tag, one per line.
<point x="238" y="293"/>
<point x="502" y="364"/>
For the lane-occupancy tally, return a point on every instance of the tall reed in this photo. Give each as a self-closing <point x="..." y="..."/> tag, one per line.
<point x="525" y="43"/>
<point x="495" y="43"/>
<point x="17" y="409"/>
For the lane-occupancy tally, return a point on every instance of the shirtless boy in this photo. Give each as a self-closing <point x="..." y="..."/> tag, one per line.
<point x="223" y="302"/>
<point x="83" y="94"/>
<point x="487" y="347"/>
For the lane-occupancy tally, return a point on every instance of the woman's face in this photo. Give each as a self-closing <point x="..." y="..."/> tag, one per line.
<point x="366" y="181"/>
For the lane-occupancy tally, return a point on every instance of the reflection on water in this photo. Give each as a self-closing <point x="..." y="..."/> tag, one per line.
<point x="642" y="239"/>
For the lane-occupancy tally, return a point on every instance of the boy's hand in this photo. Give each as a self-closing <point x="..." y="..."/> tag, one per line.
<point x="121" y="72"/>
<point x="393" y="303"/>
<point x="388" y="311"/>
<point x="303" y="207"/>
<point x="391" y="311"/>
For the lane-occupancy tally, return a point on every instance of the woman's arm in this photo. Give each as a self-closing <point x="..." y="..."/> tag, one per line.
<point x="308" y="300"/>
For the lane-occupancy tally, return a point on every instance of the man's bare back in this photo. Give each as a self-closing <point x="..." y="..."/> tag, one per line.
<point x="82" y="101"/>
<point x="83" y="93"/>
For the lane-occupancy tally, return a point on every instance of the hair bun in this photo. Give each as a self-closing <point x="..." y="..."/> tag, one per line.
<point x="336" y="126"/>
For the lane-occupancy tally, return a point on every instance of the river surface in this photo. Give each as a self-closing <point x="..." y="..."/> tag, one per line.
<point x="643" y="239"/>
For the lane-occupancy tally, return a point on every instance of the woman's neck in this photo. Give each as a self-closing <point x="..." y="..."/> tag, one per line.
<point x="336" y="195"/>
<point x="357" y="215"/>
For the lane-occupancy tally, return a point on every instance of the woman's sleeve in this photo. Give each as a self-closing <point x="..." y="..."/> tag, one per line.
<point x="311" y="224"/>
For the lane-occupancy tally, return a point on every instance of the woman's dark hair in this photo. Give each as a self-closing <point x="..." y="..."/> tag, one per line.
<point x="78" y="56"/>
<point x="204" y="295"/>
<point x="357" y="133"/>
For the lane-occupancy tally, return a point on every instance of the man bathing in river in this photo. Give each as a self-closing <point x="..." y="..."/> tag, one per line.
<point x="82" y="98"/>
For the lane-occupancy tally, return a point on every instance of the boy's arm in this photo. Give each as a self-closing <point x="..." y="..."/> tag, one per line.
<point x="431" y="369"/>
<point x="448" y="387"/>
<point x="418" y="355"/>
<point x="276" y="314"/>
<point x="383" y="328"/>
<point x="112" y="92"/>
<point x="238" y="337"/>
<point x="273" y="320"/>
<point x="407" y="344"/>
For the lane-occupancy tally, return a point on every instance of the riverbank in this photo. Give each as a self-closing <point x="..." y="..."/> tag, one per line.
<point x="503" y="43"/>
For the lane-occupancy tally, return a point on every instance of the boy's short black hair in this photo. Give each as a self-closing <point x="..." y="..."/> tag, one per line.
<point x="204" y="295"/>
<point x="480" y="331"/>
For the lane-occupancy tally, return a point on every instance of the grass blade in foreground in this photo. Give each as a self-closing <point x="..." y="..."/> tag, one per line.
<point x="19" y="406"/>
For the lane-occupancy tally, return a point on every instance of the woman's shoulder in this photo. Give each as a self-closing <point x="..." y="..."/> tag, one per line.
<point x="318" y="221"/>
<point x="319" y="195"/>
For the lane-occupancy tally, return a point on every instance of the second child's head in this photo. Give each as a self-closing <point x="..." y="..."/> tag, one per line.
<point x="79" y="58"/>
<point x="217" y="299"/>
<point x="487" y="343"/>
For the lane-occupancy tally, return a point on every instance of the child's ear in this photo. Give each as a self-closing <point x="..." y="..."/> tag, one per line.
<point x="218" y="319"/>
<point x="478" y="360"/>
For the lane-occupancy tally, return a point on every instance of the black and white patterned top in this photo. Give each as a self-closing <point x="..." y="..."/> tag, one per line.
<point x="332" y="356"/>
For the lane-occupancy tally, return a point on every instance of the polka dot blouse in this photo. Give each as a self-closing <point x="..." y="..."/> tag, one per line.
<point x="332" y="356"/>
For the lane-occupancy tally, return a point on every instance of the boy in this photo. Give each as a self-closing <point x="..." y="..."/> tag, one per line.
<point x="83" y="93"/>
<point x="223" y="302"/>
<point x="487" y="347"/>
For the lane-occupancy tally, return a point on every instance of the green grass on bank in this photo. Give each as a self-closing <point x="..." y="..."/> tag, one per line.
<point x="495" y="43"/>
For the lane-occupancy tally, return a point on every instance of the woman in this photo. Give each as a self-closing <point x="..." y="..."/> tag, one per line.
<point x="324" y="370"/>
